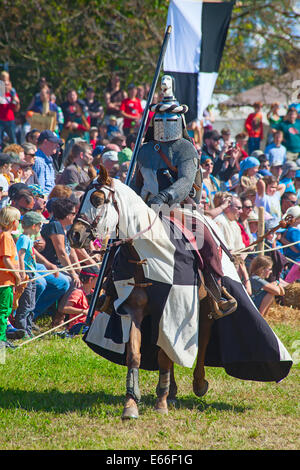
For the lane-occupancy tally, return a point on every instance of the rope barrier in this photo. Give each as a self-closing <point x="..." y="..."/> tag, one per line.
<point x="49" y="331"/>
<point x="241" y="252"/>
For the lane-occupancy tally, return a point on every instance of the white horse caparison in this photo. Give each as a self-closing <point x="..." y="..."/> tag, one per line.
<point x="110" y="206"/>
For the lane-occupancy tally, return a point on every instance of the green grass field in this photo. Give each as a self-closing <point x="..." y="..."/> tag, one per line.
<point x="56" y="394"/>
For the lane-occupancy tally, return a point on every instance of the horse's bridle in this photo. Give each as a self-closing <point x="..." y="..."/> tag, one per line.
<point x="91" y="226"/>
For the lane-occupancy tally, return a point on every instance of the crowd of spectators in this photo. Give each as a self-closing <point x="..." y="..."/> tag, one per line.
<point x="43" y="175"/>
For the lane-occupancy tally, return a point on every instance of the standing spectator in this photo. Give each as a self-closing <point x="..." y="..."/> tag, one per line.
<point x="263" y="292"/>
<point x="9" y="105"/>
<point x="210" y="184"/>
<point x="290" y="126"/>
<point x="43" y="166"/>
<point x="79" y="125"/>
<point x="59" y="113"/>
<point x="29" y="152"/>
<point x="113" y="99"/>
<point x="31" y="223"/>
<point x="254" y="128"/>
<point x="276" y="170"/>
<point x="95" y="109"/>
<point x="276" y="152"/>
<point x="9" y="220"/>
<point x="274" y="119"/>
<point x="76" y="172"/>
<point x="131" y="110"/>
<point x="247" y="174"/>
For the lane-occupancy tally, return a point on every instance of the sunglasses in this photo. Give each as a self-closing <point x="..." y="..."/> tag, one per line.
<point x="247" y="207"/>
<point x="292" y="202"/>
<point x="30" y="154"/>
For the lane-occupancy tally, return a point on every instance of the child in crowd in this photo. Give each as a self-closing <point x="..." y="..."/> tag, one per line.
<point x="5" y="166"/>
<point x="78" y="303"/>
<point x="263" y="292"/>
<point x="9" y="221"/>
<point x="31" y="223"/>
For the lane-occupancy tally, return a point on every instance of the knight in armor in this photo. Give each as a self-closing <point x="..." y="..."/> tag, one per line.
<point x="168" y="172"/>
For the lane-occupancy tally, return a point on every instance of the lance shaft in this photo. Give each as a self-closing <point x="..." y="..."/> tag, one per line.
<point x="130" y="172"/>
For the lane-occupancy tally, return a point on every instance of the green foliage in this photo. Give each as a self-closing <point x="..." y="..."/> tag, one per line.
<point x="80" y="43"/>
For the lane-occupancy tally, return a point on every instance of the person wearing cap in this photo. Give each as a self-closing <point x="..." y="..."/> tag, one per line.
<point x="131" y="110"/>
<point x="77" y="302"/>
<point x="276" y="152"/>
<point x="290" y="126"/>
<point x="276" y="170"/>
<point x="292" y="235"/>
<point x="288" y="175"/>
<point x="254" y="128"/>
<point x="31" y="223"/>
<point x="43" y="166"/>
<point x="110" y="161"/>
<point x="211" y="147"/>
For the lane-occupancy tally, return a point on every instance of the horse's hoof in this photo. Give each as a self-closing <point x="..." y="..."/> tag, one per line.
<point x="162" y="411"/>
<point x="200" y="391"/>
<point x="130" y="413"/>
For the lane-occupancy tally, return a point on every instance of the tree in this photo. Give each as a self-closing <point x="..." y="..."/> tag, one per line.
<point x="79" y="43"/>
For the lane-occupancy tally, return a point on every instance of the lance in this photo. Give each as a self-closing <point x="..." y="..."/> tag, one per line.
<point x="130" y="171"/>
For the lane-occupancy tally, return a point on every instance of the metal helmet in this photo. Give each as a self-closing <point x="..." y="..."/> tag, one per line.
<point x="168" y="121"/>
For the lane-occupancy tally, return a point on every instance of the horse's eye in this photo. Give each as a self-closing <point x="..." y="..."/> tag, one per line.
<point x="97" y="199"/>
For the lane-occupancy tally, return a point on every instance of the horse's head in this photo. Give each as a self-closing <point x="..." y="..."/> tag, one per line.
<point x="98" y="216"/>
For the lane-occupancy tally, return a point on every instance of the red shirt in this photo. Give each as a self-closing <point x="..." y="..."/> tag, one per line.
<point x="77" y="299"/>
<point x="254" y="125"/>
<point x="7" y="109"/>
<point x="133" y="108"/>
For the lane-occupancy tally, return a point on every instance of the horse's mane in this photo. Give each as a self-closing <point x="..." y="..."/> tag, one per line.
<point x="103" y="178"/>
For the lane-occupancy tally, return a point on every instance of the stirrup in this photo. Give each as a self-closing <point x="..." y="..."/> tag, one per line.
<point x="225" y="306"/>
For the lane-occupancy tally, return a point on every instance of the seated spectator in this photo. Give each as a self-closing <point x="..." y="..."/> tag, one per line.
<point x="241" y="140"/>
<point x="29" y="152"/>
<point x="227" y="222"/>
<point x="253" y="226"/>
<point x="112" y="127"/>
<point x="77" y="171"/>
<point x="31" y="223"/>
<point x="210" y="184"/>
<point x="288" y="175"/>
<point x="125" y="155"/>
<point x="5" y="166"/>
<point x="247" y="174"/>
<point x="268" y="196"/>
<point x="226" y="139"/>
<point x="263" y="292"/>
<point x="77" y="302"/>
<point x="247" y="208"/>
<point x="288" y="199"/>
<point x="93" y="137"/>
<point x="278" y="259"/>
<point x="109" y="159"/>
<point x="57" y="248"/>
<point x="276" y="170"/>
<point x="297" y="185"/>
<point x="32" y="136"/>
<point x="292" y="235"/>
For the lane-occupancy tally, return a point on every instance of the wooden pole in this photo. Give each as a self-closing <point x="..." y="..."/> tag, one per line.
<point x="261" y="228"/>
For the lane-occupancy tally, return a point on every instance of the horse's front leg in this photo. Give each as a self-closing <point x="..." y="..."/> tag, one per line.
<point x="162" y="390"/>
<point x="135" y="306"/>
<point x="200" y="385"/>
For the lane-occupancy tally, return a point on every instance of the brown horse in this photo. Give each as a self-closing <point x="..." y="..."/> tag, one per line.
<point x="100" y="215"/>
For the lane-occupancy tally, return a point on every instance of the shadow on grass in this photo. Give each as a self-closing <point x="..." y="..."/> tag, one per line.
<point x="63" y="402"/>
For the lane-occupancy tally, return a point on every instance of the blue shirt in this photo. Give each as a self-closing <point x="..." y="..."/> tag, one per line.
<point x="276" y="154"/>
<point x="293" y="235"/>
<point x="25" y="243"/>
<point x="44" y="169"/>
